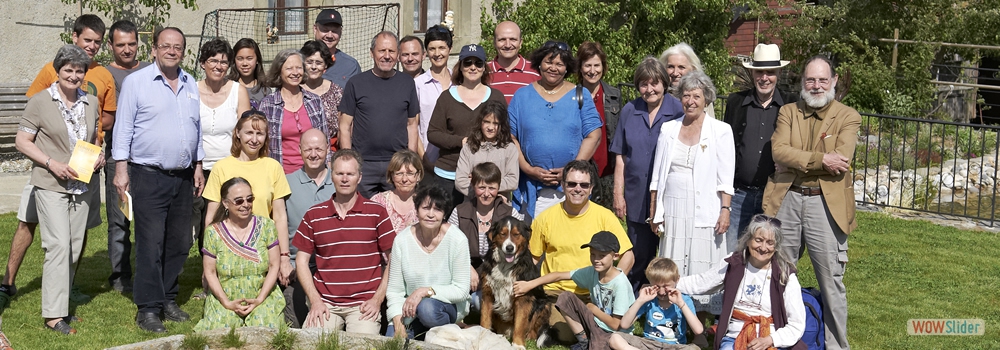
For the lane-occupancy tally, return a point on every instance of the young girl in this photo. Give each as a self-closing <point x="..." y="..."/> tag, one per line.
<point x="491" y="142"/>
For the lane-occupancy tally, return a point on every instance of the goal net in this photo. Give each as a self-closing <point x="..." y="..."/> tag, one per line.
<point x="276" y="29"/>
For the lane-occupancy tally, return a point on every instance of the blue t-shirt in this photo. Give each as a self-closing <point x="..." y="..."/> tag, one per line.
<point x="665" y="325"/>
<point x="614" y="297"/>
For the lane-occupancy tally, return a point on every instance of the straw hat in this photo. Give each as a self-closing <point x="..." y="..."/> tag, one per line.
<point x="765" y="56"/>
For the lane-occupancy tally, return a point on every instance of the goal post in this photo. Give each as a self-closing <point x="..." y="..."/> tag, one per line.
<point x="276" y="29"/>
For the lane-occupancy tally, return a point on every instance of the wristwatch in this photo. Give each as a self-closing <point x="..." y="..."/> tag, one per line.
<point x="430" y="292"/>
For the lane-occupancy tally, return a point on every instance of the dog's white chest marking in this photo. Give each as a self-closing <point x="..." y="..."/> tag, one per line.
<point x="502" y="283"/>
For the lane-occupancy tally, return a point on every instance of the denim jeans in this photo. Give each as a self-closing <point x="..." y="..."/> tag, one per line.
<point x="119" y="240"/>
<point x="430" y="313"/>
<point x="746" y="203"/>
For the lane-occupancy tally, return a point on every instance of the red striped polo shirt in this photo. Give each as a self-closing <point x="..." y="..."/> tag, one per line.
<point x="508" y="81"/>
<point x="349" y="250"/>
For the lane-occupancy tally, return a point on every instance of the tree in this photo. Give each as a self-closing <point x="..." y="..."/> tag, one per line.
<point x="849" y="32"/>
<point x="627" y="29"/>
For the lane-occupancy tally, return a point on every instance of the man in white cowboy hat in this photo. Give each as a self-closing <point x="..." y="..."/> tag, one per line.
<point x="752" y="115"/>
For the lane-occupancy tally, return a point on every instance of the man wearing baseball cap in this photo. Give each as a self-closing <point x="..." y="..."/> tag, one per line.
<point x="752" y="114"/>
<point x="328" y="29"/>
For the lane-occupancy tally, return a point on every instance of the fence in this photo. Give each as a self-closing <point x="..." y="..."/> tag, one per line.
<point x="276" y="29"/>
<point x="918" y="164"/>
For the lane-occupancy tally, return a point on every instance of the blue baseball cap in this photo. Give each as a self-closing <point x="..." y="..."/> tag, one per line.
<point x="472" y="50"/>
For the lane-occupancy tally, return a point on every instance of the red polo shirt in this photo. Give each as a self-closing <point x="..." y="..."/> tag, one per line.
<point x="349" y="250"/>
<point x="508" y="81"/>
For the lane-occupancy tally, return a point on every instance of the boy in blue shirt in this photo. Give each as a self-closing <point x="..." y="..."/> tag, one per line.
<point x="668" y="313"/>
<point x="610" y="291"/>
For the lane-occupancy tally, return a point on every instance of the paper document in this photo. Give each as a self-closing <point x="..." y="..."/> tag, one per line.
<point x="125" y="205"/>
<point x="83" y="159"/>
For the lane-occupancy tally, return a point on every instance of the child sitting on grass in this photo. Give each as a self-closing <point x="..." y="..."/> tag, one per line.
<point x="668" y="313"/>
<point x="610" y="291"/>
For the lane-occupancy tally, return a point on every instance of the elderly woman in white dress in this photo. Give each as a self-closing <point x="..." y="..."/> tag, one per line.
<point x="692" y="184"/>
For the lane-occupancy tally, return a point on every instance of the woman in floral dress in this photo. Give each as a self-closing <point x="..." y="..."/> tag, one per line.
<point x="241" y="264"/>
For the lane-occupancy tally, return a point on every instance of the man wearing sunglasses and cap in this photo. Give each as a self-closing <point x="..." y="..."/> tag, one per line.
<point x="752" y="114"/>
<point x="328" y="29"/>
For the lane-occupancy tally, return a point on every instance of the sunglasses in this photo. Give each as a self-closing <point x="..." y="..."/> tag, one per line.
<point x="583" y="185"/>
<point x="473" y="61"/>
<point x="768" y="219"/>
<point x="241" y="200"/>
<point x="252" y="112"/>
<point x="556" y="44"/>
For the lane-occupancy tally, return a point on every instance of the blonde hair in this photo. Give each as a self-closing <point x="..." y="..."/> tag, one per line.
<point x="662" y="270"/>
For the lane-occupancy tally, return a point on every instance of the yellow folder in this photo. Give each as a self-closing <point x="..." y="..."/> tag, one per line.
<point x="83" y="159"/>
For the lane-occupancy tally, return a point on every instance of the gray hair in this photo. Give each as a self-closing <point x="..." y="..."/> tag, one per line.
<point x="763" y="224"/>
<point x="381" y="34"/>
<point x="685" y="50"/>
<point x="274" y="72"/>
<point x="696" y="80"/>
<point x="73" y="55"/>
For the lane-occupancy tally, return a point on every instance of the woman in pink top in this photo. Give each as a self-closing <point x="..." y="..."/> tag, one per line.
<point x="404" y="173"/>
<point x="290" y="110"/>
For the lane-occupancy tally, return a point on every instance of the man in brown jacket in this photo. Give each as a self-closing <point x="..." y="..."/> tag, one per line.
<point x="811" y="192"/>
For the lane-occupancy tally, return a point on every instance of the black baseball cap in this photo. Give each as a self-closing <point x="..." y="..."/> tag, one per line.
<point x="604" y="241"/>
<point x="329" y="16"/>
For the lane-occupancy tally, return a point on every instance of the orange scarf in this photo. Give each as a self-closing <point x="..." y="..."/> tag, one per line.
<point x="747" y="333"/>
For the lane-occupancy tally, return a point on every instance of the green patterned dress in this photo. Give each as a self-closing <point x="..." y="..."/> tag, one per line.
<point x="241" y="268"/>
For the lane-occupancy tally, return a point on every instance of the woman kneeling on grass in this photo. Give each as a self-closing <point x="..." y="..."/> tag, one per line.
<point x="762" y="299"/>
<point x="241" y="264"/>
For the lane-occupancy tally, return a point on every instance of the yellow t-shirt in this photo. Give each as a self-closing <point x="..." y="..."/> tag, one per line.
<point x="560" y="236"/>
<point x="98" y="83"/>
<point x="265" y="175"/>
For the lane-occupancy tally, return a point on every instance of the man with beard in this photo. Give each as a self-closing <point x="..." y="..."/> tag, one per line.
<point x="379" y="114"/>
<point x="752" y="114"/>
<point x="812" y="190"/>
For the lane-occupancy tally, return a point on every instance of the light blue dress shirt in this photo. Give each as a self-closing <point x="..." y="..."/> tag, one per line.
<point x="155" y="126"/>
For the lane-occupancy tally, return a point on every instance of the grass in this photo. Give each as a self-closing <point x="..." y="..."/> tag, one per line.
<point x="898" y="270"/>
<point x="283" y="340"/>
<point x="232" y="340"/>
<point x="194" y="341"/>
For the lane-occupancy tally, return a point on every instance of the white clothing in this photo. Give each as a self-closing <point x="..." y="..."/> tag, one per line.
<point x="217" y="126"/>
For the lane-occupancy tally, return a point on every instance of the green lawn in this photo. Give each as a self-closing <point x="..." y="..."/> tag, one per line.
<point x="899" y="270"/>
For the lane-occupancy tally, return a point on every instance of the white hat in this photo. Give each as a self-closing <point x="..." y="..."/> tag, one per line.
<point x="765" y="56"/>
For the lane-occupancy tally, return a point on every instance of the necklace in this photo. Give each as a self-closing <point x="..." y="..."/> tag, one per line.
<point x="551" y="92"/>
<point x="484" y="220"/>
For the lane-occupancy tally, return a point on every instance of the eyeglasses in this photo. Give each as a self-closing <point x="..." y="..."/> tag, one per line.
<point x="241" y="200"/>
<point x="401" y="174"/>
<point x="473" y="61"/>
<point x="168" y="48"/>
<point x="764" y="218"/>
<point x="557" y="44"/>
<point x="583" y="185"/>
<point x="819" y="82"/>
<point x="216" y="63"/>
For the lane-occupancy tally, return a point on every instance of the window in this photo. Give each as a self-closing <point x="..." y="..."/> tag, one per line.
<point x="288" y="21"/>
<point x="428" y="13"/>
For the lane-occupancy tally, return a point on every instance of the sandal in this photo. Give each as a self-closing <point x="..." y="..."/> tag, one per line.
<point x="200" y="296"/>
<point x="4" y="343"/>
<point x="70" y="319"/>
<point x="61" y="327"/>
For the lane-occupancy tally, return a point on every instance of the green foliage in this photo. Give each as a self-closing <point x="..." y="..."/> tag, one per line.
<point x="329" y="341"/>
<point x="628" y="30"/>
<point x="283" y="340"/>
<point x="194" y="341"/>
<point x="849" y="31"/>
<point x="232" y="340"/>
<point x="392" y="343"/>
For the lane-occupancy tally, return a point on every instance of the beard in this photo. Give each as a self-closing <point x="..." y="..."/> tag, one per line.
<point x="817" y="102"/>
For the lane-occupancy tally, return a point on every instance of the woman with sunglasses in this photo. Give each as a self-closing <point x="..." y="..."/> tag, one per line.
<point x="249" y="159"/>
<point x="454" y="116"/>
<point x="248" y="70"/>
<point x="318" y="59"/>
<point x="592" y="64"/>
<point x="553" y="123"/>
<point x="222" y="101"/>
<point x="437" y="42"/>
<point x="240" y="263"/>
<point x="291" y="110"/>
<point x="761" y="297"/>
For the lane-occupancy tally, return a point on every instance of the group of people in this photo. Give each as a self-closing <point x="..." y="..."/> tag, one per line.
<point x="322" y="194"/>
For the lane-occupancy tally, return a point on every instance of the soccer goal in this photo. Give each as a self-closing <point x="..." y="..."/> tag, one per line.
<point x="276" y="29"/>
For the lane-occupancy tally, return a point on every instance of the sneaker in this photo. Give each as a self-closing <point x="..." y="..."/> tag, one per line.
<point x="76" y="296"/>
<point x="580" y="346"/>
